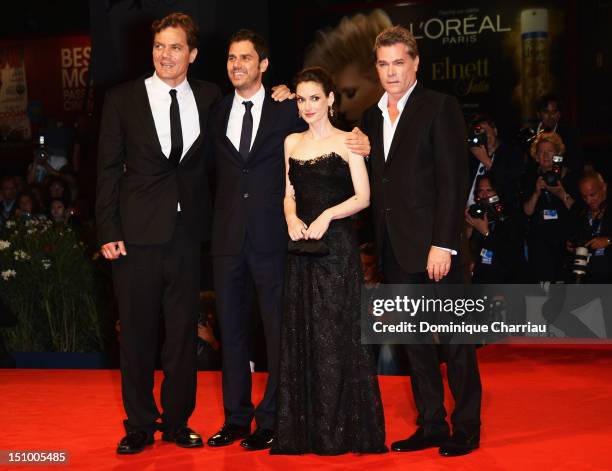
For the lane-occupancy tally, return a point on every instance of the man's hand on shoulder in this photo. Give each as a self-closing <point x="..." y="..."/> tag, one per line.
<point x="438" y="263"/>
<point x="112" y="250"/>
<point x="358" y="142"/>
<point x="282" y="93"/>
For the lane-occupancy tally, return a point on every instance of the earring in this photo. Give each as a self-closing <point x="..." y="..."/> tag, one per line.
<point x="331" y="111"/>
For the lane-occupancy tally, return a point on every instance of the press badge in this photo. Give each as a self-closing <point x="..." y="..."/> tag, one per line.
<point x="486" y="257"/>
<point x="599" y="252"/>
<point x="549" y="214"/>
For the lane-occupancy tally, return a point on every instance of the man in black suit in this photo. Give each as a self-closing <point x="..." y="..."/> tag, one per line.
<point x="153" y="210"/>
<point x="249" y="239"/>
<point x="419" y="186"/>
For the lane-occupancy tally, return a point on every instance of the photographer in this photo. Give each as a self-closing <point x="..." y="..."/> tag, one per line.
<point x="547" y="198"/>
<point x="550" y="115"/>
<point x="590" y="263"/>
<point x="500" y="159"/>
<point x="592" y="229"/>
<point x="495" y="233"/>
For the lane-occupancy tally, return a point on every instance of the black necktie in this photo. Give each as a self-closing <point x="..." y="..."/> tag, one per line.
<point x="247" y="130"/>
<point x="176" y="132"/>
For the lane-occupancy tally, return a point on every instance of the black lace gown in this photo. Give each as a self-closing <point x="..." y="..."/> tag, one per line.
<point x="328" y="397"/>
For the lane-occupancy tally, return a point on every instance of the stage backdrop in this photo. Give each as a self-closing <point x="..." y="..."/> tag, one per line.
<point x="43" y="78"/>
<point x="495" y="57"/>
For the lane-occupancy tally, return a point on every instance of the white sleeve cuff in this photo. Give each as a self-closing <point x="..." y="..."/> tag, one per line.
<point x="453" y="252"/>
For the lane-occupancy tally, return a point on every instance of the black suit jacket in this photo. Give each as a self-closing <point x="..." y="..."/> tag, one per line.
<point x="138" y="187"/>
<point x="418" y="195"/>
<point x="249" y="193"/>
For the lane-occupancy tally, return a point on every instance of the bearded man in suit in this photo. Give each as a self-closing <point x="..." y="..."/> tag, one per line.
<point x="249" y="241"/>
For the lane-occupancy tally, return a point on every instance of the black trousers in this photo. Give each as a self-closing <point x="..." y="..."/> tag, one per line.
<point x="154" y="284"/>
<point x="425" y="375"/>
<point x="232" y="275"/>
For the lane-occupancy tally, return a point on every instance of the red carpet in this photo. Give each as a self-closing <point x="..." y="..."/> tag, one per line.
<point x="543" y="407"/>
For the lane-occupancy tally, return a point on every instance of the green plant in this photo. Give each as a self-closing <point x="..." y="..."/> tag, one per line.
<point x="47" y="281"/>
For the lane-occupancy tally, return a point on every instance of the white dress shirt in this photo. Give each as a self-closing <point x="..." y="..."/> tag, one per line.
<point x="389" y="128"/>
<point x="158" y="92"/>
<point x="234" y="124"/>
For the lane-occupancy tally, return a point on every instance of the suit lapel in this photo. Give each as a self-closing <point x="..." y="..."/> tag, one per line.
<point x="146" y="115"/>
<point x="199" y="100"/>
<point x="197" y="93"/>
<point x="377" y="139"/>
<point x="408" y="115"/>
<point x="222" y="121"/>
<point x="265" y="124"/>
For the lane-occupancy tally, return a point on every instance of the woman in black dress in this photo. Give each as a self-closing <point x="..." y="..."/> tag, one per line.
<point x="328" y="397"/>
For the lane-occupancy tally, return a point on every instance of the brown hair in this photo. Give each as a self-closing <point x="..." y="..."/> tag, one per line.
<point x="259" y="43"/>
<point x="179" y="20"/>
<point x="551" y="137"/>
<point x="397" y="35"/>
<point x="317" y="75"/>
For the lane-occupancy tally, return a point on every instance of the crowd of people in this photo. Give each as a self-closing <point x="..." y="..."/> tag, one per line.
<point x="52" y="199"/>
<point x="532" y="203"/>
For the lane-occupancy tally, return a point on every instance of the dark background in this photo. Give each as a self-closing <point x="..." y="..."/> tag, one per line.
<point x="121" y="43"/>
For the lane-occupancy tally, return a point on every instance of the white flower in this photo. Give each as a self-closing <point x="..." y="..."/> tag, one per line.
<point x="31" y="231"/>
<point x="6" y="274"/>
<point x="4" y="244"/>
<point x="46" y="263"/>
<point x="21" y="255"/>
<point x="30" y="223"/>
<point x="95" y="256"/>
<point x="10" y="224"/>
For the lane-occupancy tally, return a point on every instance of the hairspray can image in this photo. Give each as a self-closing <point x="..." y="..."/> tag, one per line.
<point x="535" y="64"/>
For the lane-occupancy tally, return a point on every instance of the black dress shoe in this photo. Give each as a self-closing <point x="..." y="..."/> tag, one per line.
<point x="228" y="434"/>
<point x="261" y="439"/>
<point x="461" y="443"/>
<point x="183" y="437"/>
<point x="420" y="441"/>
<point x="134" y="442"/>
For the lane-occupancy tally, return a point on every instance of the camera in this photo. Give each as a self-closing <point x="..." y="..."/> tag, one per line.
<point x="477" y="137"/>
<point x="552" y="177"/>
<point x="582" y="256"/>
<point x="492" y="207"/>
<point x="525" y="137"/>
<point x="581" y="261"/>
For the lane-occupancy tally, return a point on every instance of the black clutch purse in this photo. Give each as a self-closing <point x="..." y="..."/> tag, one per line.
<point x="308" y="247"/>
